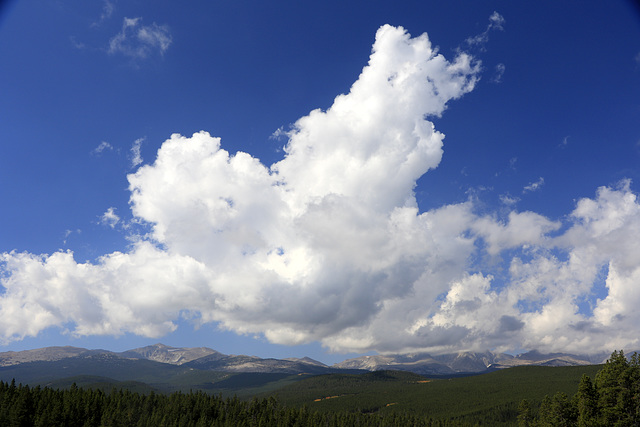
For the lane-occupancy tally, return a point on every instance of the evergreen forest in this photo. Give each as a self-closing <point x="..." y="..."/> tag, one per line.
<point x="611" y="399"/>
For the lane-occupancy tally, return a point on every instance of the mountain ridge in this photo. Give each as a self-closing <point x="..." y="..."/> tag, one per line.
<point x="204" y="358"/>
<point x="167" y="354"/>
<point x="467" y="362"/>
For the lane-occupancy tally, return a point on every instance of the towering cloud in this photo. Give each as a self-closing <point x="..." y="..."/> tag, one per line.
<point x="329" y="243"/>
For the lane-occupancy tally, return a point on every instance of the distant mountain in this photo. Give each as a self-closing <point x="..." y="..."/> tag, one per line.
<point x="80" y="361"/>
<point x="165" y="354"/>
<point x="256" y="364"/>
<point x="137" y="370"/>
<point x="161" y="367"/>
<point x="104" y="364"/>
<point x="426" y="364"/>
<point x="418" y="363"/>
<point x="536" y="356"/>
<point x="465" y="362"/>
<point x="306" y="360"/>
<point x="9" y="358"/>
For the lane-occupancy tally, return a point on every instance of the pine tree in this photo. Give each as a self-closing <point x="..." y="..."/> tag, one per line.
<point x="614" y="385"/>
<point x="525" y="415"/>
<point x="586" y="400"/>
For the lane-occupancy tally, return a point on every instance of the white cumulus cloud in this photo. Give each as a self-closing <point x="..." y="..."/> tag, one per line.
<point x="328" y="244"/>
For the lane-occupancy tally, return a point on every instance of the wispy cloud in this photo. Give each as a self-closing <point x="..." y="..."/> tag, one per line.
<point x="103" y="146"/>
<point x="534" y="186"/>
<point x="139" y="41"/>
<point x="136" y="156"/>
<point x="68" y="233"/>
<point x="496" y="22"/>
<point x="499" y="72"/>
<point x="108" y="8"/>
<point x="77" y="44"/>
<point x="507" y="199"/>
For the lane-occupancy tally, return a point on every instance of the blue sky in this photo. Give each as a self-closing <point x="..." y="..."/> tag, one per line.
<point x="350" y="230"/>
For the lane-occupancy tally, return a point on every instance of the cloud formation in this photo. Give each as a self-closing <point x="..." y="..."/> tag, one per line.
<point x="104" y="145"/>
<point x="139" y="41"/>
<point x="110" y="218"/>
<point x="136" y="155"/>
<point x="534" y="186"/>
<point x="329" y="243"/>
<point x="496" y="22"/>
<point x="107" y="10"/>
<point x="499" y="72"/>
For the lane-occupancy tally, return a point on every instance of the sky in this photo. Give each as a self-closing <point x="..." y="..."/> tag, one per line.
<point x="324" y="179"/>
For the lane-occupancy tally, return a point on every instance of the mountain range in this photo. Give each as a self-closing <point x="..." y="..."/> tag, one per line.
<point x="203" y="358"/>
<point x="466" y="362"/>
<point x="167" y="369"/>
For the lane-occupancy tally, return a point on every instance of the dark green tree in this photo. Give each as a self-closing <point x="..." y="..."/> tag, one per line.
<point x="586" y="402"/>
<point x="617" y="388"/>
<point x="545" y="416"/>
<point x="525" y="414"/>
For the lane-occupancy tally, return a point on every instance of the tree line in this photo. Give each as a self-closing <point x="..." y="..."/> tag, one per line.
<point x="21" y="405"/>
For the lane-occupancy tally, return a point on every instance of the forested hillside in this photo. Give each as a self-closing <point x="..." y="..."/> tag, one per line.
<point x="612" y="399"/>
<point x="25" y="406"/>
<point x="489" y="399"/>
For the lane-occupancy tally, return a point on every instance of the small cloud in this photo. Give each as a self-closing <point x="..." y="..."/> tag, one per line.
<point x="107" y="10"/>
<point x="637" y="58"/>
<point x="78" y="45"/>
<point x="565" y="142"/>
<point x="102" y="147"/>
<point x="512" y="163"/>
<point x="68" y="233"/>
<point x="279" y="133"/>
<point x="110" y="218"/>
<point x="497" y="77"/>
<point x="139" y="41"/>
<point x="136" y="157"/>
<point x="534" y="186"/>
<point x="496" y="22"/>
<point x="508" y="200"/>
